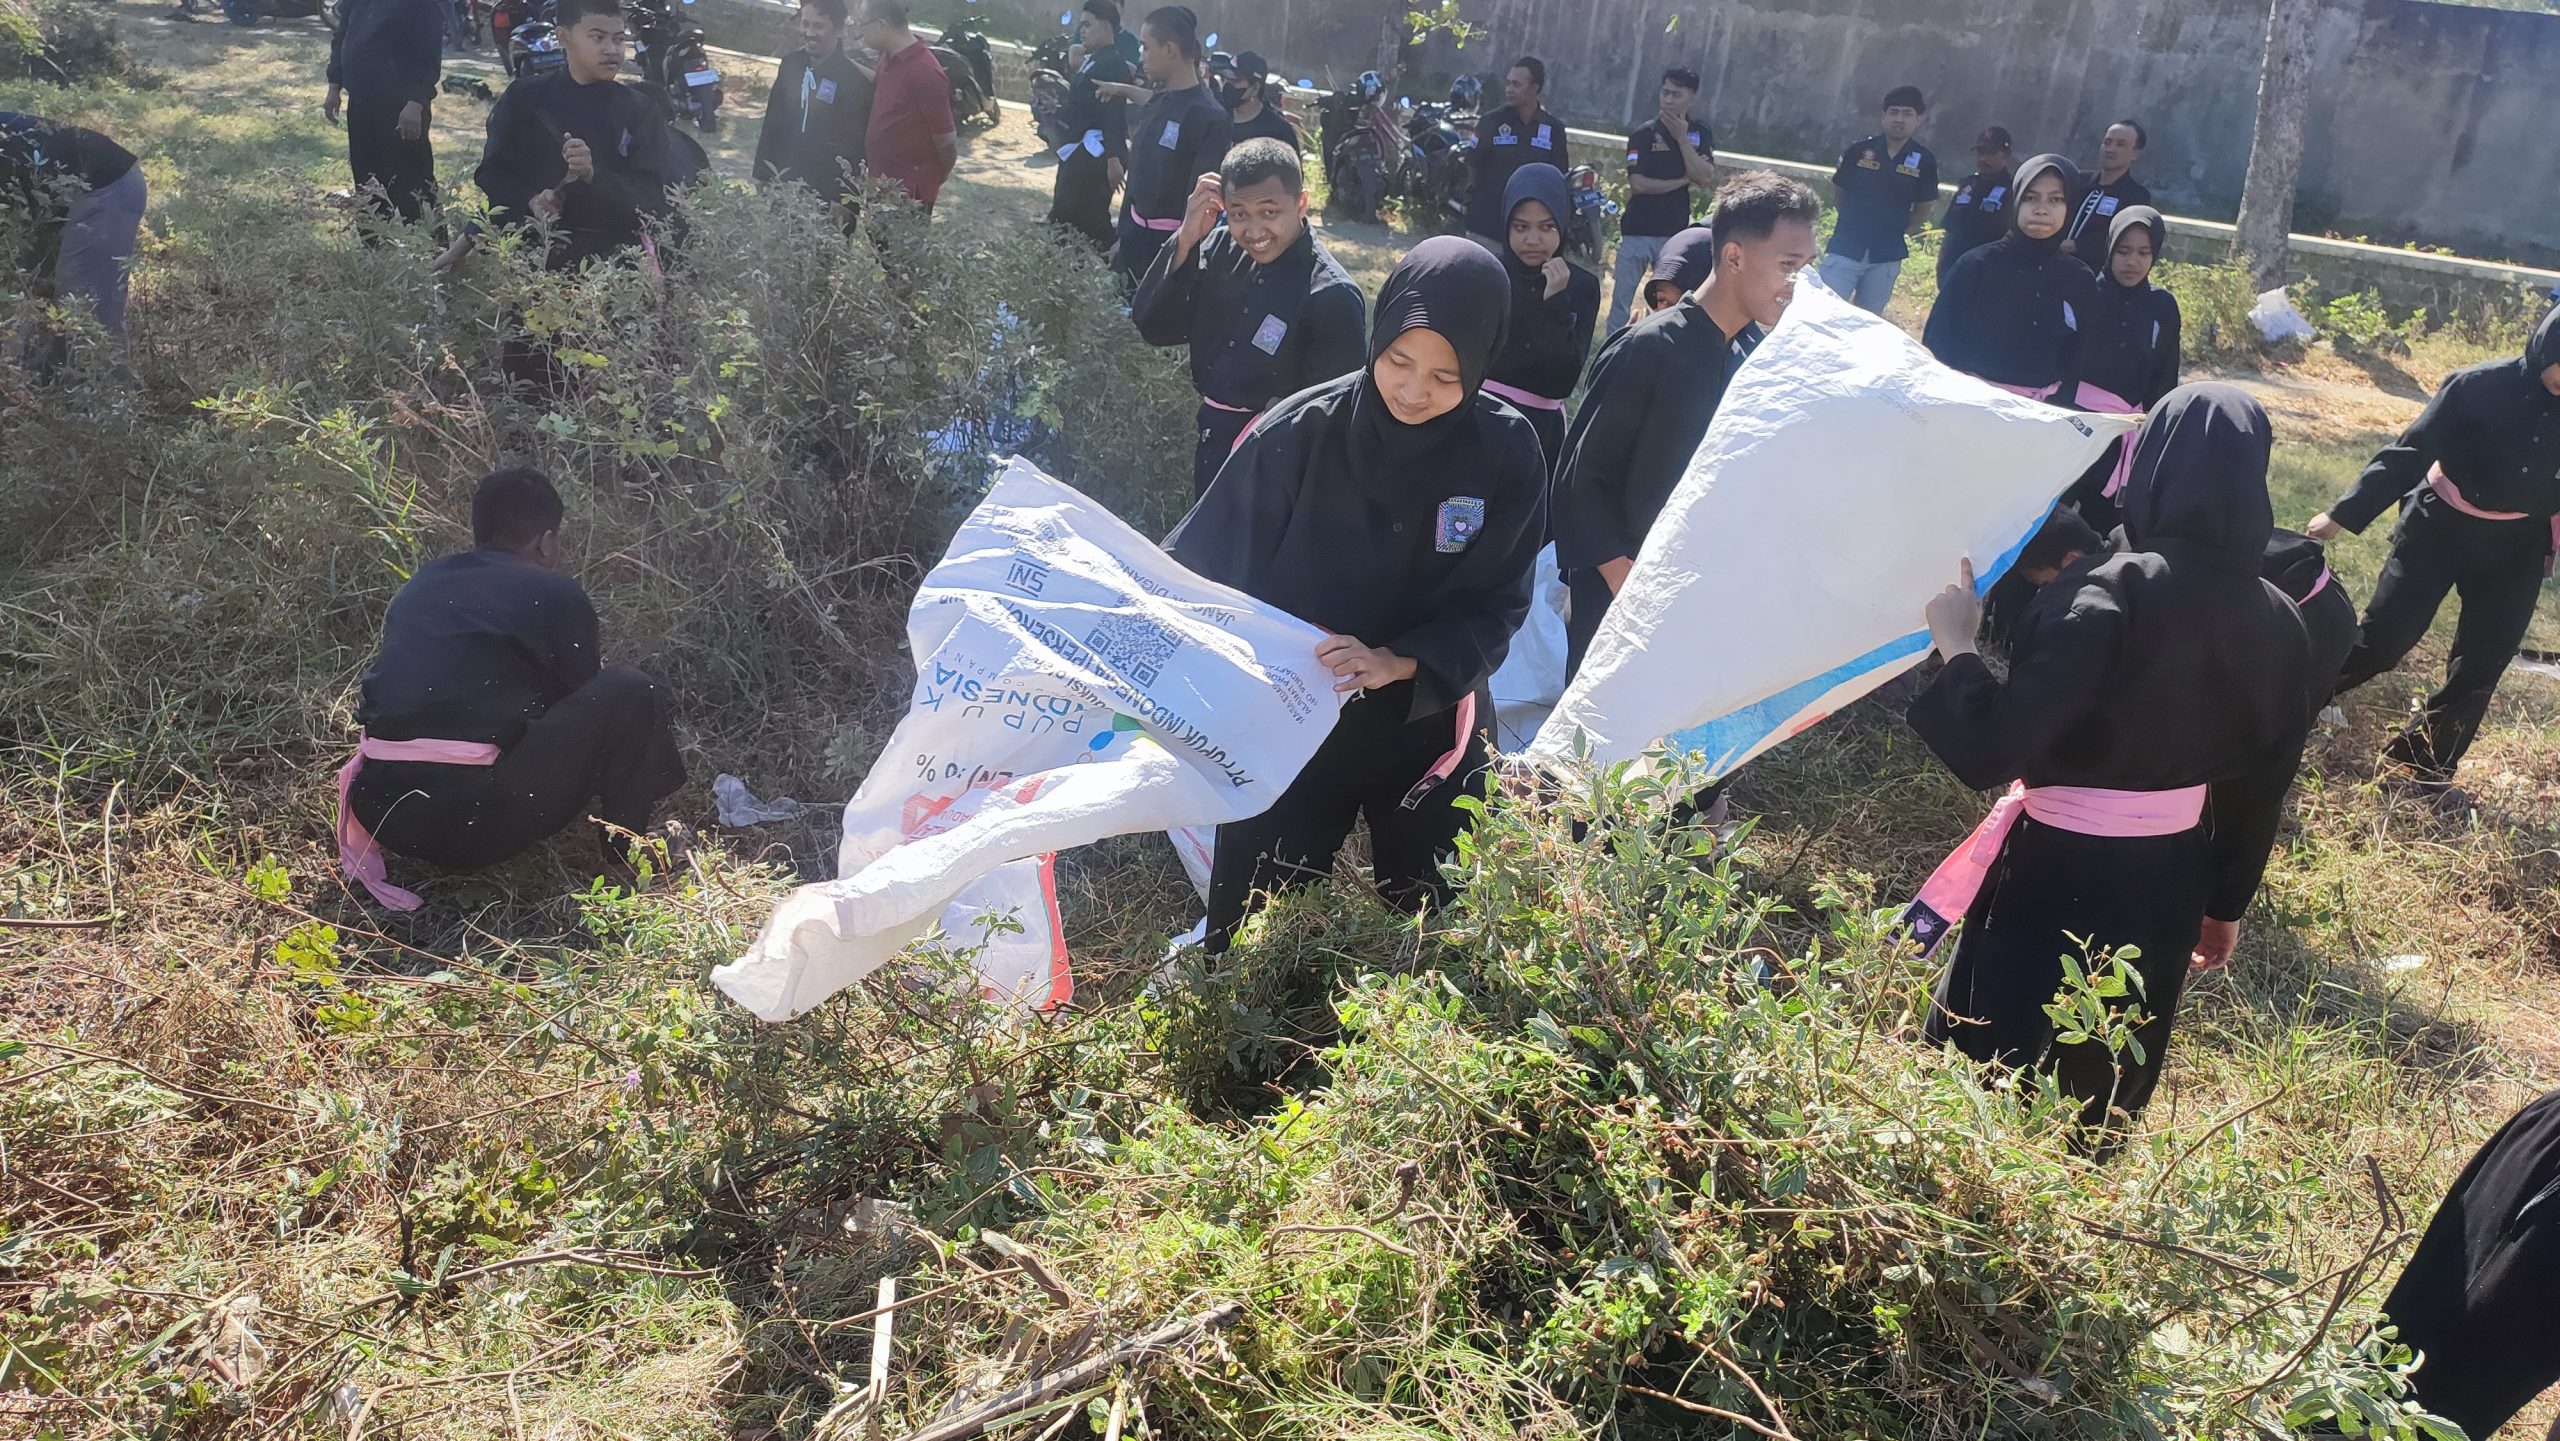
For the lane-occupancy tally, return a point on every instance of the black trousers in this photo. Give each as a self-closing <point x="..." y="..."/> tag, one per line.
<point x="1367" y="768"/>
<point x="403" y="170"/>
<point x="607" y="749"/>
<point x="2048" y="886"/>
<point x="1080" y="200"/>
<point x="2478" y="1293"/>
<point x="1138" y="247"/>
<point x="1219" y="430"/>
<point x="2496" y="568"/>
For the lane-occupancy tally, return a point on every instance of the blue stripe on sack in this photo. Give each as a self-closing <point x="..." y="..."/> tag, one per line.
<point x="1733" y="734"/>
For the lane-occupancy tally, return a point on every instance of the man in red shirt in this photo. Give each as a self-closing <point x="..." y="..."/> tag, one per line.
<point x="912" y="139"/>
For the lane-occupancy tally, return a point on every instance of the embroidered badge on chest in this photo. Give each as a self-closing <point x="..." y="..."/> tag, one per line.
<point x="1172" y="135"/>
<point x="826" y="92"/>
<point x="1267" y="338"/>
<point x="1546" y="138"/>
<point x="1461" y="519"/>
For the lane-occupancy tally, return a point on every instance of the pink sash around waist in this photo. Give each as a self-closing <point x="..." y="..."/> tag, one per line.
<point x="1447" y="765"/>
<point x="1164" y="225"/>
<point x="358" y="855"/>
<point x="1517" y="396"/>
<point x="2088" y="810"/>
<point x="2317" y="586"/>
<point x="2442" y="484"/>
<point x="2091" y="398"/>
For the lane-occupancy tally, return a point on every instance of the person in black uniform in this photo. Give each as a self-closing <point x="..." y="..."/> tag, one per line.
<point x="1094" y="158"/>
<point x="1978" y="213"/>
<point x="495" y="651"/>
<point x="1178" y="137"/>
<point x="2136" y="681"/>
<point x="1261" y="303"/>
<point x="2128" y="351"/>
<point x="1253" y="107"/>
<point x="2094" y="207"/>
<point x="385" y="59"/>
<point x="1655" y="388"/>
<point x="1668" y="162"/>
<point x="1886" y="184"/>
<point x="1522" y="132"/>
<point x="1554" y="304"/>
<point x="817" y="113"/>
<point x="1401" y="509"/>
<point x="2477" y="476"/>
<point x="1687" y="259"/>
<point x="2012" y="311"/>
<point x="2475" y="1298"/>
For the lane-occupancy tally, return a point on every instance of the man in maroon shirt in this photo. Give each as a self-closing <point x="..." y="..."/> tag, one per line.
<point x="912" y="139"/>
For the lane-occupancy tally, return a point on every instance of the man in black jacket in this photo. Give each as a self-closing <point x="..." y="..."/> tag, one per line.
<point x="385" y="59"/>
<point x="2477" y="477"/>
<point x="576" y="147"/>
<point x="1263" y="306"/>
<point x="1522" y="132"/>
<point x="2112" y="191"/>
<point x="1094" y="157"/>
<point x="1177" y="137"/>
<point x="816" y="115"/>
<point x="1979" y="211"/>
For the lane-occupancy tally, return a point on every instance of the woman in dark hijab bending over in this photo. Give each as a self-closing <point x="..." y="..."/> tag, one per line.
<point x="1401" y="509"/>
<point x="2129" y="355"/>
<point x="1554" y="305"/>
<point x="2013" y="312"/>
<point x="2137" y="679"/>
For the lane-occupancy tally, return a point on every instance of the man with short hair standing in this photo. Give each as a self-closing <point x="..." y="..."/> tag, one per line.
<point x="1667" y="161"/>
<point x="1254" y="105"/>
<point x="1178" y="136"/>
<point x="912" y="138"/>
<point x="385" y="59"/>
<point x="818" y="113"/>
<point x="1886" y="184"/>
<point x="1979" y="213"/>
<point x="1522" y="132"/>
<point x="2094" y="210"/>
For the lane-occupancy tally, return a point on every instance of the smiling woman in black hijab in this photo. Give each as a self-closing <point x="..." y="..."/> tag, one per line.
<point x="2137" y="679"/>
<point x="1400" y="508"/>
<point x="2012" y="311"/>
<point x="1554" y="305"/>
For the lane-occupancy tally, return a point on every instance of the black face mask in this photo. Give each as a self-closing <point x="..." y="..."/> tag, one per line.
<point x="1234" y="95"/>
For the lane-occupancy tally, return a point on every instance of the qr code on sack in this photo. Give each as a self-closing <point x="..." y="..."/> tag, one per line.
<point x="1136" y="647"/>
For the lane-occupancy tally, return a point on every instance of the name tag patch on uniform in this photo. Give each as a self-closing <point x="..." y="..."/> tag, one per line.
<point x="1964" y="197"/>
<point x="626" y="144"/>
<point x="826" y="92"/>
<point x="1867" y="160"/>
<point x="2106" y="205"/>
<point x="1911" y="160"/>
<point x="1504" y="136"/>
<point x="1461" y="519"/>
<point x="1268" y="336"/>
<point x="2070" y="321"/>
<point x="1172" y="135"/>
<point x="1992" y="200"/>
<point x="1546" y="138"/>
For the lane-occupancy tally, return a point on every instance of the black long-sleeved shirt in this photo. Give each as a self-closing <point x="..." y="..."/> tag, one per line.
<point x="1294" y="521"/>
<point x="1504" y="143"/>
<point x="2013" y="312"/>
<point x="389" y="49"/>
<point x="814" y="122"/>
<point x="1653" y="392"/>
<point x="1550" y="337"/>
<point x="2093" y="218"/>
<point x="625" y="135"/>
<point x="2129" y="343"/>
<point x="2494" y="429"/>
<point x="475" y="646"/>
<point x="1258" y="333"/>
<point x="1087" y="117"/>
<point x="1267" y="124"/>
<point x="1977" y="214"/>
<point x="1180" y="136"/>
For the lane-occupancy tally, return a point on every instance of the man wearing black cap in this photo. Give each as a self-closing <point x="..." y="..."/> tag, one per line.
<point x="1979" y="213"/>
<point x="1667" y="161"/>
<point x="1886" y="185"/>
<point x="2093" y="211"/>
<point x="1247" y="91"/>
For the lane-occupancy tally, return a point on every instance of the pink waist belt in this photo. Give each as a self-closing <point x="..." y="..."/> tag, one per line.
<point x="1447" y="765"/>
<point x="358" y="855"/>
<point x="1167" y="225"/>
<point x="1517" y="396"/>
<point x="2091" y="398"/>
<point x="2442" y="484"/>
<point x="2088" y="810"/>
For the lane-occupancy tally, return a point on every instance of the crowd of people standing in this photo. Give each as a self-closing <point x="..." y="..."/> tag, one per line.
<point x="1390" y="468"/>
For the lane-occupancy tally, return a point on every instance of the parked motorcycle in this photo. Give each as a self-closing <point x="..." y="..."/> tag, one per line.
<point x="1049" y="84"/>
<point x="1592" y="208"/>
<point x="1388" y="148"/>
<point x="504" y="17"/>
<point x="1443" y="136"/>
<point x="533" y="45"/>
<point x="672" y="54"/>
<point x="971" y="67"/>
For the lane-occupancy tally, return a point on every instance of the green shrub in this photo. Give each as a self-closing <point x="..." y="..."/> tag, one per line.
<point x="64" y="41"/>
<point x="2213" y="308"/>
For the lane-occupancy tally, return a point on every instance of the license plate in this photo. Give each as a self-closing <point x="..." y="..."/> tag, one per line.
<point x="702" y="77"/>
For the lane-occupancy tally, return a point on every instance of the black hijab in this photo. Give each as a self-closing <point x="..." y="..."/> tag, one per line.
<point x="2126" y="219"/>
<point x="2199" y="483"/>
<point x="2028" y="174"/>
<point x="1544" y="184"/>
<point x="1687" y="259"/>
<point x="1454" y="288"/>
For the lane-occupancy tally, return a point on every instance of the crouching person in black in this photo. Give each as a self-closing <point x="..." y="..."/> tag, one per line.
<point x="489" y="725"/>
<point x="1401" y="509"/>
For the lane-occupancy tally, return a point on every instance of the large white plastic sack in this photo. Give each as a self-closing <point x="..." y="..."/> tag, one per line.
<point x="1531" y="679"/>
<point x="2277" y="320"/>
<point x="1072" y="683"/>
<point x="1845" y="475"/>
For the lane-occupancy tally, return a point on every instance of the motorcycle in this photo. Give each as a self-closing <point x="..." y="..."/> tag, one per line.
<point x="1425" y="153"/>
<point x="672" y="54"/>
<point x="1443" y="136"/>
<point x="1049" y="85"/>
<point x="533" y="45"/>
<point x="1591" y="207"/>
<point x="1362" y="166"/>
<point x="504" y="17"/>
<point x="971" y="67"/>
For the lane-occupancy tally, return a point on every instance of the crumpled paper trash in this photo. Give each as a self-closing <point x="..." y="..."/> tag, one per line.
<point x="739" y="806"/>
<point x="2277" y="320"/>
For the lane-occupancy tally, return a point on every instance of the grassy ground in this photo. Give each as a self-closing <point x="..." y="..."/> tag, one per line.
<point x="272" y="1163"/>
